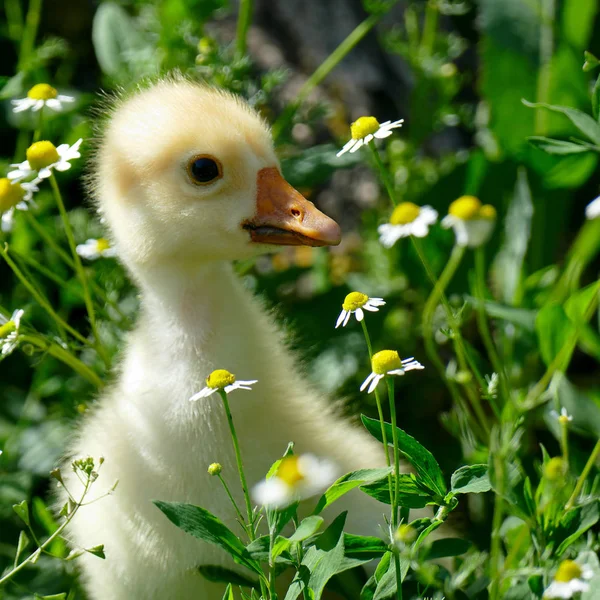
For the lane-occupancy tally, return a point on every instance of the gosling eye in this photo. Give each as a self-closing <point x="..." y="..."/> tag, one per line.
<point x="204" y="169"/>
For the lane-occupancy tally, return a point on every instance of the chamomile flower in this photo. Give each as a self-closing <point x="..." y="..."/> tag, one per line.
<point x="14" y="196"/>
<point x="9" y="332"/>
<point x="44" y="156"/>
<point x="296" y="478"/>
<point x="473" y="223"/>
<point x="563" y="418"/>
<point x="388" y="362"/>
<point x="356" y="303"/>
<point x="569" y="579"/>
<point x="94" y="249"/>
<point x="407" y="219"/>
<point x="365" y="130"/>
<point x="222" y="380"/>
<point x="41" y="96"/>
<point x="592" y="210"/>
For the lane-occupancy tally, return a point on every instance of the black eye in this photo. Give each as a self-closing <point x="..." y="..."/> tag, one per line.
<point x="204" y="169"/>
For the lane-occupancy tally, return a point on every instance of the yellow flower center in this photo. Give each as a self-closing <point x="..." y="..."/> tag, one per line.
<point x="563" y="419"/>
<point x="102" y="244"/>
<point x="363" y="126"/>
<point x="42" y="91"/>
<point x="10" y="194"/>
<point x="214" y="469"/>
<point x="405" y="533"/>
<point x="7" y="329"/>
<point x="487" y="211"/>
<point x="555" y="469"/>
<point x="42" y="154"/>
<point x="384" y="361"/>
<point x="567" y="571"/>
<point x="288" y="470"/>
<point x="354" y="300"/>
<point x="465" y="208"/>
<point x="219" y="379"/>
<point x="405" y="213"/>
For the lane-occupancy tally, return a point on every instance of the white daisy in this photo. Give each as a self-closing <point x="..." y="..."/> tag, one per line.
<point x="40" y="96"/>
<point x="14" y="196"/>
<point x="407" y="219"/>
<point x="365" y="130"/>
<point x="296" y="478"/>
<point x="569" y="579"/>
<point x="356" y="303"/>
<point x="93" y="249"/>
<point x="222" y="380"/>
<point x="9" y="331"/>
<point x="592" y="210"/>
<point x="42" y="157"/>
<point x="388" y="362"/>
<point x="564" y="417"/>
<point x="473" y="223"/>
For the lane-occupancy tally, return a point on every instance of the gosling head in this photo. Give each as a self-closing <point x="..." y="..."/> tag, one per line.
<point x="188" y="174"/>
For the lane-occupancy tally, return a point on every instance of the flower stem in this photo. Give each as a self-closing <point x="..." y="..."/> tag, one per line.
<point x="32" y="21"/>
<point x="272" y="590"/>
<point x="240" y="466"/>
<point x="483" y="325"/>
<point x="586" y="471"/>
<point x="325" y="68"/>
<point x="80" y="271"/>
<point x="564" y="441"/>
<point x="398" y="576"/>
<point x="233" y="502"/>
<point x="392" y="402"/>
<point x="385" y="174"/>
<point x="37" y="134"/>
<point x="243" y="24"/>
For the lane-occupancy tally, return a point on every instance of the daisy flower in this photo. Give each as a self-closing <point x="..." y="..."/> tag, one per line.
<point x="388" y="362"/>
<point x="563" y="418"/>
<point x="9" y="332"/>
<point x="222" y="380"/>
<point x="569" y="579"/>
<point x="40" y="96"/>
<point x="365" y="130"/>
<point x="592" y="210"/>
<point x="473" y="223"/>
<point x="94" y="249"/>
<point x="407" y="219"/>
<point x="296" y="478"/>
<point x="356" y="303"/>
<point x="44" y="156"/>
<point x="13" y="196"/>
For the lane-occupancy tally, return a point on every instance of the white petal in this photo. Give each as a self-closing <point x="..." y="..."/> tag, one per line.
<point x="341" y="317"/>
<point x="374" y="383"/>
<point x="592" y="210"/>
<point x="348" y="313"/>
<point x="383" y="134"/>
<point x="45" y="173"/>
<point x="365" y="383"/>
<point x="357" y="145"/>
<point x="396" y="372"/>
<point x="370" y="308"/>
<point x="203" y="393"/>
<point x="62" y="98"/>
<point x="368" y="138"/>
<point x="359" y="314"/>
<point x="273" y="492"/>
<point x="347" y="146"/>
<point x="62" y="165"/>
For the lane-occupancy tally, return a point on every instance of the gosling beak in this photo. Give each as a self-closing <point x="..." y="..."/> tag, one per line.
<point x="284" y="217"/>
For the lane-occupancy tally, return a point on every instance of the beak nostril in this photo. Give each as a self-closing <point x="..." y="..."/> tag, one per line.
<point x="296" y="213"/>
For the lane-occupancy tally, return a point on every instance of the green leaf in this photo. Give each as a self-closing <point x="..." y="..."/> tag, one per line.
<point x="553" y="329"/>
<point x="471" y="479"/>
<point x="309" y="526"/>
<point x="508" y="265"/>
<point x="364" y="546"/>
<point x="260" y="547"/>
<point x="575" y="523"/>
<point x="97" y="551"/>
<point x="222" y="575"/>
<point x="410" y="495"/>
<point x="348" y="482"/>
<point x="418" y="456"/>
<point x="386" y="585"/>
<point x="205" y="526"/>
<point x="447" y="547"/>
<point x="22" y="511"/>
<point x="228" y="595"/>
<point x="596" y="99"/>
<point x="552" y="146"/>
<point x="52" y="597"/>
<point x="22" y="544"/>
<point x="591" y="62"/>
<point x="586" y="124"/>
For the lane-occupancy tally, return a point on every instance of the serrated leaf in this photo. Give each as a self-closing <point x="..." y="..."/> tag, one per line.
<point x="348" y="482"/>
<point x="552" y="146"/>
<point x="419" y="457"/>
<point x="471" y="479"/>
<point x="205" y="526"/>
<point x="220" y="574"/>
<point x="586" y="124"/>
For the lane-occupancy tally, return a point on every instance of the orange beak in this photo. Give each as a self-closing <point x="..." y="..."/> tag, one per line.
<point x="284" y="217"/>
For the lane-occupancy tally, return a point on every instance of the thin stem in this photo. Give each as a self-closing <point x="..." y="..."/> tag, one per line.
<point x="546" y="49"/>
<point x="272" y="590"/>
<point x="80" y="271"/>
<point x="233" y="502"/>
<point x="37" y="134"/>
<point x="325" y="68"/>
<point x="240" y="466"/>
<point x="496" y="547"/>
<point x="385" y="174"/>
<point x="483" y="325"/>
<point x="390" y="386"/>
<point x="32" y="21"/>
<point x="398" y="576"/>
<point x="39" y="297"/>
<point x="429" y="27"/>
<point x="586" y="471"/>
<point x="564" y="440"/>
<point x="243" y="24"/>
